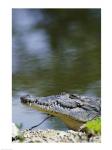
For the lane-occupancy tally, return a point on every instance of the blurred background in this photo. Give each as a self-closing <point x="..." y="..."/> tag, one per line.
<point x="54" y="51"/>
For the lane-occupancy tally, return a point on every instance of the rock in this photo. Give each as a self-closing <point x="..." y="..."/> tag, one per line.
<point x="56" y="136"/>
<point x="15" y="131"/>
<point x="95" y="139"/>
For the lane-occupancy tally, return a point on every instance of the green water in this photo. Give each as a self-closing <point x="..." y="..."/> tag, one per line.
<point x="54" y="50"/>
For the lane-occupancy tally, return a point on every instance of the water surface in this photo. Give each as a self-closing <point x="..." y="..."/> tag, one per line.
<point x="54" y="51"/>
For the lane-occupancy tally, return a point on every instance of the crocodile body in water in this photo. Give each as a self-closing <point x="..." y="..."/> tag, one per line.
<point x="72" y="109"/>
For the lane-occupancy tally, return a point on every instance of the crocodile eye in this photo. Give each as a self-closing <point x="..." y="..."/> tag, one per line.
<point x="78" y="105"/>
<point x="73" y="96"/>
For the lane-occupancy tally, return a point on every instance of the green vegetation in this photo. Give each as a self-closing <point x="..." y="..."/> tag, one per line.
<point x="21" y="138"/>
<point x="94" y="126"/>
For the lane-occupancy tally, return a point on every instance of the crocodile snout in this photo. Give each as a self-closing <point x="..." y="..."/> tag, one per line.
<point x="24" y="99"/>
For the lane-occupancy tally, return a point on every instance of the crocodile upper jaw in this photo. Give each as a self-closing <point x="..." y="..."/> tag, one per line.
<point x="78" y="109"/>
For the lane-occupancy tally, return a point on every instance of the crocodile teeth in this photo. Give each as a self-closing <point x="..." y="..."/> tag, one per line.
<point x="47" y="108"/>
<point x="44" y="106"/>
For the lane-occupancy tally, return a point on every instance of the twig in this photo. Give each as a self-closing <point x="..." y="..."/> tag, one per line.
<point x="40" y="122"/>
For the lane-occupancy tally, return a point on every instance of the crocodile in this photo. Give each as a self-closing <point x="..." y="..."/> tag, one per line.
<point x="74" y="110"/>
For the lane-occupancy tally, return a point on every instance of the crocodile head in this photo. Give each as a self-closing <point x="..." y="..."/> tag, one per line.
<point x="74" y="110"/>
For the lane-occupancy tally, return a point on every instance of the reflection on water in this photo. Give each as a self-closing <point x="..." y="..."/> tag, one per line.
<point x="54" y="50"/>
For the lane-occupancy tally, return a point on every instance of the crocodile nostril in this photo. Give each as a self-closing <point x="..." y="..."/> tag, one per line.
<point x="23" y="100"/>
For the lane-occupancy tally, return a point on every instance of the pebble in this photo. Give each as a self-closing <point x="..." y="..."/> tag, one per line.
<point x="95" y="139"/>
<point x="56" y="136"/>
<point x="52" y="136"/>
